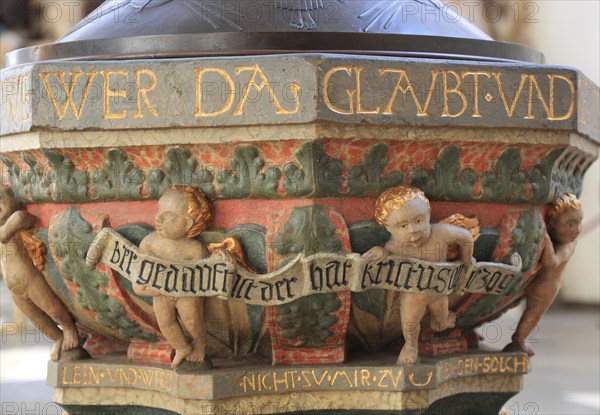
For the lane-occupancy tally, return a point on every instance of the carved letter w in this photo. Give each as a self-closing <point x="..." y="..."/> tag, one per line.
<point x="60" y="112"/>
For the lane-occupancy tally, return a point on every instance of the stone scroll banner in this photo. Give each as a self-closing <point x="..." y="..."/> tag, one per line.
<point x="315" y="274"/>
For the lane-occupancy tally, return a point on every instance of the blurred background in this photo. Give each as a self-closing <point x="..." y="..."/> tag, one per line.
<point x="566" y="369"/>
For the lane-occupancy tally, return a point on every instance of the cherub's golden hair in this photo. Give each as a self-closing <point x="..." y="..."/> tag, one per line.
<point x="395" y="198"/>
<point x="558" y="206"/>
<point x="199" y="208"/>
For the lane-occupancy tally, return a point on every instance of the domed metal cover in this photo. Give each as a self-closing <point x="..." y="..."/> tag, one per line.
<point x="129" y="29"/>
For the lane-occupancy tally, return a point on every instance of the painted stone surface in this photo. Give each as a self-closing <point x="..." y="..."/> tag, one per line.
<point x="253" y="388"/>
<point x="489" y="172"/>
<point x="295" y="89"/>
<point x="292" y="153"/>
<point x="368" y="328"/>
<point x="312" y="329"/>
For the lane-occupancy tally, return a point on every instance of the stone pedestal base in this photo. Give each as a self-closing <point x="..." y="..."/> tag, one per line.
<point x="477" y="382"/>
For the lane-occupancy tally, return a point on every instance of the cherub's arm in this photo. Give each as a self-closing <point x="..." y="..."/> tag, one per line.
<point x="18" y="221"/>
<point x="377" y="253"/>
<point x="463" y="238"/>
<point x="553" y="258"/>
<point x="231" y="250"/>
<point x="224" y="255"/>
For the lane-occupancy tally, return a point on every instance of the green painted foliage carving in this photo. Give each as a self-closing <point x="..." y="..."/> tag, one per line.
<point x="318" y="173"/>
<point x="525" y="239"/>
<point x="15" y="179"/>
<point x="180" y="168"/>
<point x="313" y="174"/>
<point x="156" y="183"/>
<point x="366" y="180"/>
<point x="567" y="177"/>
<point x="486" y="243"/>
<point x="541" y="176"/>
<point x="363" y="236"/>
<point x="448" y="180"/>
<point x="39" y="185"/>
<point x="307" y="231"/>
<point x="119" y="179"/>
<point x="67" y="184"/>
<point x="59" y="182"/>
<point x="308" y="319"/>
<point x="507" y="181"/>
<point x="247" y="178"/>
<point x="70" y="241"/>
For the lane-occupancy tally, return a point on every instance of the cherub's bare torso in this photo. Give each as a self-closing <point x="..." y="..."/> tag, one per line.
<point x="433" y="249"/>
<point x="176" y="250"/>
<point x="16" y="267"/>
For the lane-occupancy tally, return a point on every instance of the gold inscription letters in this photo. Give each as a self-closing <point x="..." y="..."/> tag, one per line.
<point x="257" y="82"/>
<point x="142" y="92"/>
<point x="487" y="365"/>
<point x="67" y="98"/>
<point x="302" y="379"/>
<point x="447" y="93"/>
<point x="294" y="380"/>
<point x="230" y="91"/>
<point x="110" y="93"/>
<point x="16" y="98"/>
<point x="95" y="375"/>
<point x="74" y="92"/>
<point x="246" y="91"/>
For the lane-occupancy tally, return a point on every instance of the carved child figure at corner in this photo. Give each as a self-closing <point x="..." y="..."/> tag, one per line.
<point x="405" y="212"/>
<point x="563" y="218"/>
<point x="28" y="288"/>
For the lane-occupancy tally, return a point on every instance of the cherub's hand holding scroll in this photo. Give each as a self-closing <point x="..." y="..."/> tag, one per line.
<point x="377" y="253"/>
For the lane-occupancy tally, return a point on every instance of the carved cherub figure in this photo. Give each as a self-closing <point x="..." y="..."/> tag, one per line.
<point x="22" y="274"/>
<point x="563" y="218"/>
<point x="183" y="213"/>
<point x="405" y="212"/>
